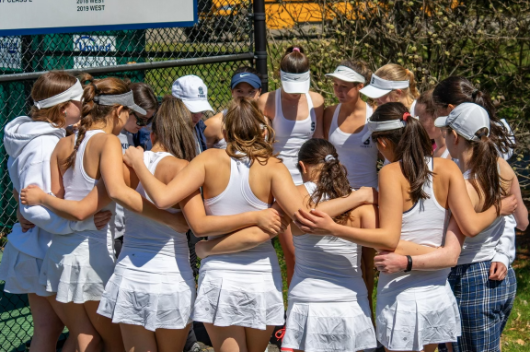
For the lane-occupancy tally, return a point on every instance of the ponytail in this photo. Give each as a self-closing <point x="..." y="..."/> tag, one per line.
<point x="333" y="181"/>
<point x="91" y="111"/>
<point x="457" y="90"/>
<point x="411" y="146"/>
<point x="484" y="173"/>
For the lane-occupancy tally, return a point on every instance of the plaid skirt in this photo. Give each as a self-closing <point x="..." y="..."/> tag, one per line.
<point x="485" y="306"/>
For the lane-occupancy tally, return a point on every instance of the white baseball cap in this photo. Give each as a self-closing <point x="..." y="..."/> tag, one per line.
<point x="347" y="74"/>
<point x="193" y="93"/>
<point x="295" y="83"/>
<point x="466" y="119"/>
<point x="379" y="87"/>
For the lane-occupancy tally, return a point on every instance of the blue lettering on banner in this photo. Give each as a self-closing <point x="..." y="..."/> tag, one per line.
<point x="86" y="43"/>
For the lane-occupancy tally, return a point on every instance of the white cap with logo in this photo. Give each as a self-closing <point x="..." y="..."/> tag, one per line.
<point x="193" y="93"/>
<point x="466" y="119"/>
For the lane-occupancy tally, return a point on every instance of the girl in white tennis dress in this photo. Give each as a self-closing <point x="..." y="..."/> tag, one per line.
<point x="345" y="124"/>
<point x="296" y="115"/>
<point x="240" y="295"/>
<point x="416" y="309"/>
<point x="328" y="300"/>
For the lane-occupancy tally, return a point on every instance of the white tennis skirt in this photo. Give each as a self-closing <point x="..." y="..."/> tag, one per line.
<point x="329" y="326"/>
<point x="150" y="292"/>
<point x="77" y="268"/>
<point x="242" y="298"/>
<point x="21" y="272"/>
<point x="411" y="319"/>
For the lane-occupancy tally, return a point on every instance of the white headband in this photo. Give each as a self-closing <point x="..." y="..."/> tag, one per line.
<point x="347" y="74"/>
<point x="381" y="83"/>
<point x="75" y="93"/>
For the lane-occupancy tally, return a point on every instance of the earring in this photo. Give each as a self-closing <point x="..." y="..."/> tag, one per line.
<point x="65" y="115"/>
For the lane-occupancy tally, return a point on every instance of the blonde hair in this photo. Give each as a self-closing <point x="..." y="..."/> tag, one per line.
<point x="395" y="72"/>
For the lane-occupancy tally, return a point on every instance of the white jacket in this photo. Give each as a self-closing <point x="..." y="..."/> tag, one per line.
<point x="29" y="145"/>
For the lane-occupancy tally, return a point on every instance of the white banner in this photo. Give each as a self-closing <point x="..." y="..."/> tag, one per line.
<point x="94" y="43"/>
<point x="19" y="17"/>
<point x="10" y="53"/>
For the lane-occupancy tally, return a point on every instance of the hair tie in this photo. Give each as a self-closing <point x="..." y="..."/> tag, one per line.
<point x="329" y="158"/>
<point x="406" y="116"/>
<point x="474" y="93"/>
<point x="296" y="49"/>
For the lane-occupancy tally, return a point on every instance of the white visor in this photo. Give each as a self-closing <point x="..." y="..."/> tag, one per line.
<point x="346" y="74"/>
<point x="380" y="126"/>
<point x="75" y="93"/>
<point x="295" y="83"/>
<point x="379" y="87"/>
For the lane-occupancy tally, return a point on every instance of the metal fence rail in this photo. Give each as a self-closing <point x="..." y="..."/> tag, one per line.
<point x="213" y="49"/>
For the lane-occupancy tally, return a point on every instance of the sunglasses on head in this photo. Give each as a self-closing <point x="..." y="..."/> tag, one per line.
<point x="142" y="121"/>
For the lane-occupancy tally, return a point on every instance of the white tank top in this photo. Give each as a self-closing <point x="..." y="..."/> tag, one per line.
<point x="238" y="198"/>
<point x="77" y="185"/>
<point x="425" y="224"/>
<point x="357" y="155"/>
<point x="290" y="135"/>
<point x="481" y="248"/>
<point x="445" y="154"/>
<point x="146" y="235"/>
<point x="221" y="144"/>
<point x="327" y="269"/>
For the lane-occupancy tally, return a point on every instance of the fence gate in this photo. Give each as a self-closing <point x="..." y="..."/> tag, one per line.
<point x="229" y="34"/>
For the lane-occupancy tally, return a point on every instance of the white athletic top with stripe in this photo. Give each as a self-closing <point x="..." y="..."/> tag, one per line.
<point x="77" y="185"/>
<point x="238" y="198"/>
<point x="328" y="268"/>
<point x="425" y="224"/>
<point x="357" y="155"/>
<point x="147" y="235"/>
<point x="481" y="248"/>
<point x="291" y="134"/>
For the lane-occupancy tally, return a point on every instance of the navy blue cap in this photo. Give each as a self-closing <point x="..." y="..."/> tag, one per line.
<point x="246" y="77"/>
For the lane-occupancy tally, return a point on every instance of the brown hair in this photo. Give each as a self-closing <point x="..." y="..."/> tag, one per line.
<point x="172" y="128"/>
<point x="46" y="86"/>
<point x="484" y="173"/>
<point x="457" y="90"/>
<point x="333" y="181"/>
<point x="359" y="66"/>
<point x="411" y="145"/>
<point x="294" y="60"/>
<point x="244" y="124"/>
<point x="144" y="96"/>
<point x="395" y="72"/>
<point x="427" y="100"/>
<point x="93" y="112"/>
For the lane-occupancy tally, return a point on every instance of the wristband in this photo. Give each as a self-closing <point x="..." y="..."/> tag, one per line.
<point x="409" y="264"/>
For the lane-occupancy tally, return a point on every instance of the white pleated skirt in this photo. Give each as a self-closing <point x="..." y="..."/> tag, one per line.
<point x="411" y="319"/>
<point x="329" y="326"/>
<point x="148" y="291"/>
<point x="77" y="268"/>
<point x="21" y="272"/>
<point x="239" y="298"/>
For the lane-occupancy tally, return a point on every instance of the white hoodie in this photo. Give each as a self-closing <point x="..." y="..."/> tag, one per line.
<point x="29" y="145"/>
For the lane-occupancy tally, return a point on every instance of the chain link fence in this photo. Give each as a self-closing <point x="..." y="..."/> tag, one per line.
<point x="213" y="49"/>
